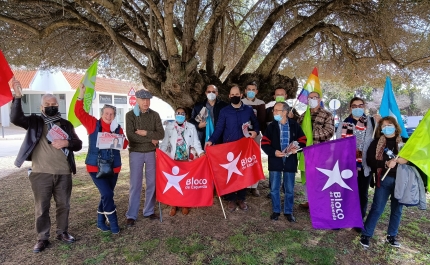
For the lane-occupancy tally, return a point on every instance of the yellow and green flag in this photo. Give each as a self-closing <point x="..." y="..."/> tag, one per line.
<point x="417" y="148"/>
<point x="89" y="80"/>
<point x="307" y="129"/>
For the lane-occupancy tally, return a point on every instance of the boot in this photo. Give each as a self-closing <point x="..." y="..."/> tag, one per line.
<point x="101" y="222"/>
<point x="113" y="221"/>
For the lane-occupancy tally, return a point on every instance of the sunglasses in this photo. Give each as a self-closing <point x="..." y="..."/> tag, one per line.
<point x="109" y="106"/>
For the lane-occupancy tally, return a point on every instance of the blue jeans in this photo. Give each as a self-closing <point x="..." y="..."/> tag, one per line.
<point x="106" y="188"/>
<point x="275" y="184"/>
<point x="379" y="201"/>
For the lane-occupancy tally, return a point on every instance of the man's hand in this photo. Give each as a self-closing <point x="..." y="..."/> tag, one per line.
<point x="58" y="144"/>
<point x="291" y="114"/>
<point x="16" y="85"/>
<point x="253" y="134"/>
<point x="377" y="117"/>
<point x="155" y="142"/>
<point x="141" y="132"/>
<point x="202" y="124"/>
<point x="279" y="153"/>
<point x="208" y="143"/>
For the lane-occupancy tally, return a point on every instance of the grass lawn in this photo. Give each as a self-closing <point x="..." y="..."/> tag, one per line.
<point x="202" y="237"/>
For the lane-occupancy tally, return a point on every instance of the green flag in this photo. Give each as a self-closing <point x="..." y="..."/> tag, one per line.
<point x="417" y="148"/>
<point x="89" y="80"/>
<point x="307" y="129"/>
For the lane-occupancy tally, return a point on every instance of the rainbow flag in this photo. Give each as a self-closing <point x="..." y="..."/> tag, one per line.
<point x="89" y="80"/>
<point x="389" y="106"/>
<point x="312" y="85"/>
<point x="417" y="148"/>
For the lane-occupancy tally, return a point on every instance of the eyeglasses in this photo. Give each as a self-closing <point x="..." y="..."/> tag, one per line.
<point x="180" y="113"/>
<point x="315" y="98"/>
<point x="211" y="92"/>
<point x="357" y="106"/>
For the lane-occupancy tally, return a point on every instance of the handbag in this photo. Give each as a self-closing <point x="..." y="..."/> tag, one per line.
<point x="105" y="167"/>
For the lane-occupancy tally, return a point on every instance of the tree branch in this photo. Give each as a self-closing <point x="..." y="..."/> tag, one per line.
<point x="259" y="38"/>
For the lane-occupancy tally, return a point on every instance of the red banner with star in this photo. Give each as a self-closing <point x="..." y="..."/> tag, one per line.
<point x="235" y="165"/>
<point x="183" y="183"/>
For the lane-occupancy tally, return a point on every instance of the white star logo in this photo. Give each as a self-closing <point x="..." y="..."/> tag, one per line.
<point x="173" y="180"/>
<point x="335" y="176"/>
<point x="232" y="166"/>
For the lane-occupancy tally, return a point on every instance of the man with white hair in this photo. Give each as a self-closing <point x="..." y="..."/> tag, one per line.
<point x="53" y="163"/>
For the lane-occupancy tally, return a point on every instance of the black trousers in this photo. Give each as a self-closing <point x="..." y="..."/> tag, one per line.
<point x="363" y="190"/>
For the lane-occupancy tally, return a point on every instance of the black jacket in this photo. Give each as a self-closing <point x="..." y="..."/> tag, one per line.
<point x="201" y="132"/>
<point x="34" y="126"/>
<point x="271" y="142"/>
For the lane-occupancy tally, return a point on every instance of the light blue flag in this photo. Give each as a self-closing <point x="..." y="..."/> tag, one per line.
<point x="389" y="106"/>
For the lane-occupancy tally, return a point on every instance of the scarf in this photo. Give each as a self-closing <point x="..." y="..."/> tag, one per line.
<point x="351" y="127"/>
<point x="49" y="121"/>
<point x="382" y="142"/>
<point x="181" y="146"/>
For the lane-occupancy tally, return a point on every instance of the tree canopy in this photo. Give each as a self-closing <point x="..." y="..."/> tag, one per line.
<point x="178" y="47"/>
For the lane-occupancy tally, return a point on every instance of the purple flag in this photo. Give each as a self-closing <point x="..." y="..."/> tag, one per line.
<point x="332" y="187"/>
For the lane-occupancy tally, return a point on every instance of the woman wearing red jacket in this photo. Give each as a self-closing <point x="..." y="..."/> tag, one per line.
<point x="106" y="186"/>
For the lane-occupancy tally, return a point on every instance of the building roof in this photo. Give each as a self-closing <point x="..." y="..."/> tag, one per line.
<point x="103" y="84"/>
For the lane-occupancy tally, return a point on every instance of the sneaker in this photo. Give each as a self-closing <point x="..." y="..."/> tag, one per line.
<point x="274" y="216"/>
<point x="242" y="205"/>
<point x="232" y="206"/>
<point x="393" y="242"/>
<point x="364" y="241"/>
<point x="290" y="217"/>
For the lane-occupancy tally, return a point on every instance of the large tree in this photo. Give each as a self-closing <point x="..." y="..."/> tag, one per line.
<point x="179" y="46"/>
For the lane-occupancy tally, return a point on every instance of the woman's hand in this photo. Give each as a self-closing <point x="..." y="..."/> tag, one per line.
<point x="82" y="90"/>
<point x="391" y="163"/>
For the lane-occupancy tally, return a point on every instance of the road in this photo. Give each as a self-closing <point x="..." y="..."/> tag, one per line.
<point x="9" y="147"/>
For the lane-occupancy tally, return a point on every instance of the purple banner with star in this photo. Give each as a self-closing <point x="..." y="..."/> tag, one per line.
<point x="331" y="174"/>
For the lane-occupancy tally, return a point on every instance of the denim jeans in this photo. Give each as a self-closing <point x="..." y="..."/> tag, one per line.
<point x="275" y="184"/>
<point x="379" y="201"/>
<point x="106" y="187"/>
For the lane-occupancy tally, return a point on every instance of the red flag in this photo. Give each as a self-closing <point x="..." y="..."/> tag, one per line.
<point x="5" y="75"/>
<point x="183" y="184"/>
<point x="235" y="165"/>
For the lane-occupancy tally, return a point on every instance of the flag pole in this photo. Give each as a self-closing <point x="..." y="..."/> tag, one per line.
<point x="222" y="207"/>
<point x="161" y="216"/>
<point x="383" y="177"/>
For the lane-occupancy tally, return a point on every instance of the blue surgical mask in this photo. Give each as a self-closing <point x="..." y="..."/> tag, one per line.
<point x="136" y="110"/>
<point x="250" y="94"/>
<point x="389" y="130"/>
<point x="180" y="119"/>
<point x="357" y="112"/>
<point x="277" y="117"/>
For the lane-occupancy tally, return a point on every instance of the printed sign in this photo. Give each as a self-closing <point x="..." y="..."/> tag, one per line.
<point x="107" y="140"/>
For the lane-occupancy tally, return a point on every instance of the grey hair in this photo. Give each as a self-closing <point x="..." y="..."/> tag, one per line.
<point x="216" y="89"/>
<point x="106" y="106"/>
<point x="46" y="97"/>
<point x="285" y="106"/>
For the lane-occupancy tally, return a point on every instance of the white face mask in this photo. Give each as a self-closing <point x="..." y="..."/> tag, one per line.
<point x="211" y="96"/>
<point x="313" y="103"/>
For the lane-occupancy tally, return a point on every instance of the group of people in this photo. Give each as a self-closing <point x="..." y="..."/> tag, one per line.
<point x="212" y="121"/>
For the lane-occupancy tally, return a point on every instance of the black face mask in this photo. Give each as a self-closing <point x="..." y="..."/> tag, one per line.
<point x="51" y="111"/>
<point x="235" y="100"/>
